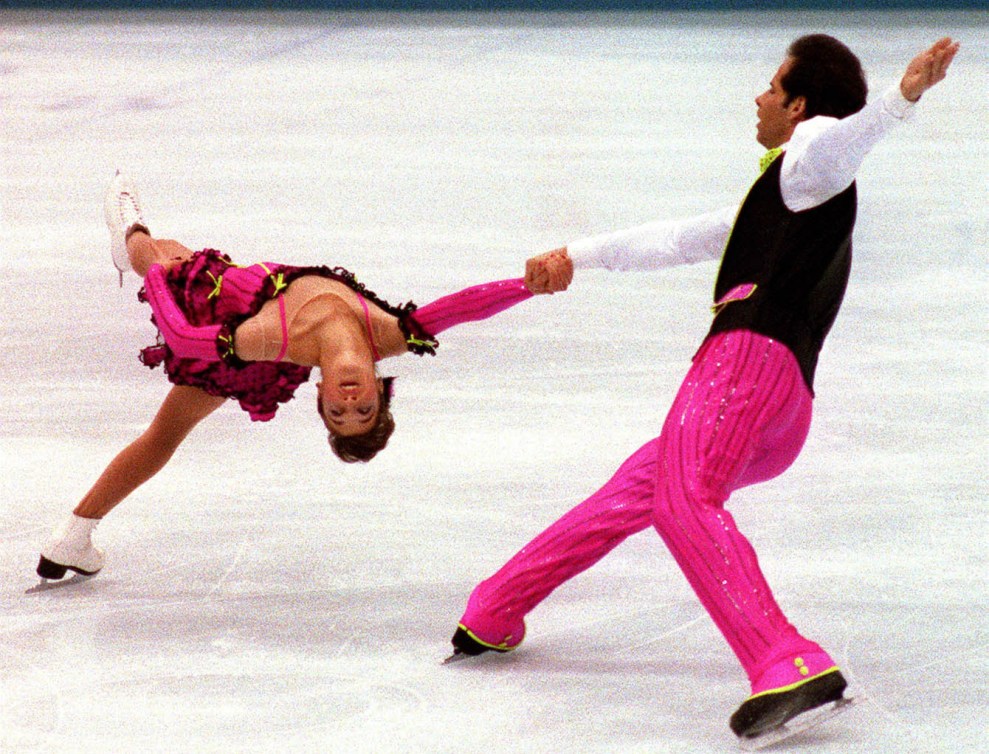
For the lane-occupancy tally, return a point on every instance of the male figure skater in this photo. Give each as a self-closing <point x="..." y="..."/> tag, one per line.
<point x="744" y="409"/>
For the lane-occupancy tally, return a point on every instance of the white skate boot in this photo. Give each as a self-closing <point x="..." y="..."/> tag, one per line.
<point x="122" y="210"/>
<point x="70" y="548"/>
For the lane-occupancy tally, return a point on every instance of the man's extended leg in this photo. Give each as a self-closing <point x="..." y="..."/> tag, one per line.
<point x="497" y="608"/>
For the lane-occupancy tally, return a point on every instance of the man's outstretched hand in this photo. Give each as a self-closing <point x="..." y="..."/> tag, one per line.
<point x="928" y="68"/>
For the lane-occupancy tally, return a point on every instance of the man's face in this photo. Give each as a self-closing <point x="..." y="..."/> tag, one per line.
<point x="778" y="114"/>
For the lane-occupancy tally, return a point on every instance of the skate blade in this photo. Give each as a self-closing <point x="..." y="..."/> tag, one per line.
<point x="799" y="724"/>
<point x="456" y="657"/>
<point x="46" y="585"/>
<point x="481" y="659"/>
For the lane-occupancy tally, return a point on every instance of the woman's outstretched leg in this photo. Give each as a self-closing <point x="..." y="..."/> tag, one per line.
<point x="131" y="245"/>
<point x="143" y="251"/>
<point x="70" y="546"/>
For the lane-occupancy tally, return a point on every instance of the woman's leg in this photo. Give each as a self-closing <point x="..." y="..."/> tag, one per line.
<point x="144" y="251"/>
<point x="131" y="244"/>
<point x="70" y="546"/>
<point x="183" y="408"/>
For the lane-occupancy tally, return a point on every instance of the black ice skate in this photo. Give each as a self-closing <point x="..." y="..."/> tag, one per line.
<point x="762" y="719"/>
<point x="465" y="645"/>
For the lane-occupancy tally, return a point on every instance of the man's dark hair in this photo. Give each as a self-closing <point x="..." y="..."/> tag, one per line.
<point x="364" y="447"/>
<point x="827" y="75"/>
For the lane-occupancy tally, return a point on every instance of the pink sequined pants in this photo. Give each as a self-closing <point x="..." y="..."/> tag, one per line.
<point x="740" y="417"/>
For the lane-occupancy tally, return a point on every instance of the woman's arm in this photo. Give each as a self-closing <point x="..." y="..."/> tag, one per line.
<point x="183" y="408"/>
<point x="208" y="343"/>
<point x="469" y="305"/>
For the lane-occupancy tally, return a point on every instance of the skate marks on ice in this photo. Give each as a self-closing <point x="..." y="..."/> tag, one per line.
<point x="258" y="670"/>
<point x="613" y="636"/>
<point x="255" y="707"/>
<point x="247" y="45"/>
<point x="800" y="724"/>
<point x="955" y="679"/>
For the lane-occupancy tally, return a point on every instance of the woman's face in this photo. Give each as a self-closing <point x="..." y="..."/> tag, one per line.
<point x="349" y="398"/>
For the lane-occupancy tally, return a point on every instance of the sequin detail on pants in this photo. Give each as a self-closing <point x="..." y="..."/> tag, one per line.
<point x="741" y="417"/>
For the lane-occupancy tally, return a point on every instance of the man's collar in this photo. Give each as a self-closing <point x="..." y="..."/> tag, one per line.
<point x="767" y="159"/>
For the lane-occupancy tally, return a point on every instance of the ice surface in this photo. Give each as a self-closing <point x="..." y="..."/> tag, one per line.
<point x="260" y="596"/>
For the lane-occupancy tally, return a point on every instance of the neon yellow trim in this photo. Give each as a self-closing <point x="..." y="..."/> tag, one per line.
<point x="413" y="341"/>
<point x="767" y="159"/>
<point x="228" y="343"/>
<point x="217" y="283"/>
<point x="503" y="647"/>
<point x="278" y="280"/>
<point x="798" y="684"/>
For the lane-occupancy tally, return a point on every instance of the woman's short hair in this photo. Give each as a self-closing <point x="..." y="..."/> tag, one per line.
<point x="827" y="75"/>
<point x="362" y="448"/>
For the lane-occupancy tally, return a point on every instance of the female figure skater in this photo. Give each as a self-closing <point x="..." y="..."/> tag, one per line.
<point x="744" y="409"/>
<point x="254" y="334"/>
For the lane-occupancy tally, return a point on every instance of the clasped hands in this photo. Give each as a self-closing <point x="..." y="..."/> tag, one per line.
<point x="550" y="272"/>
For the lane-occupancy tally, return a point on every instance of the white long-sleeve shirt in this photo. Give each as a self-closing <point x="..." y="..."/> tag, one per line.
<point x="820" y="161"/>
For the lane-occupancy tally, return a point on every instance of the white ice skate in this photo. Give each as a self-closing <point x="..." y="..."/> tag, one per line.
<point x="70" y="548"/>
<point x="122" y="210"/>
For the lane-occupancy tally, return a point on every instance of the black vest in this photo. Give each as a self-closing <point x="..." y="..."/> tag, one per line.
<point x="799" y="263"/>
